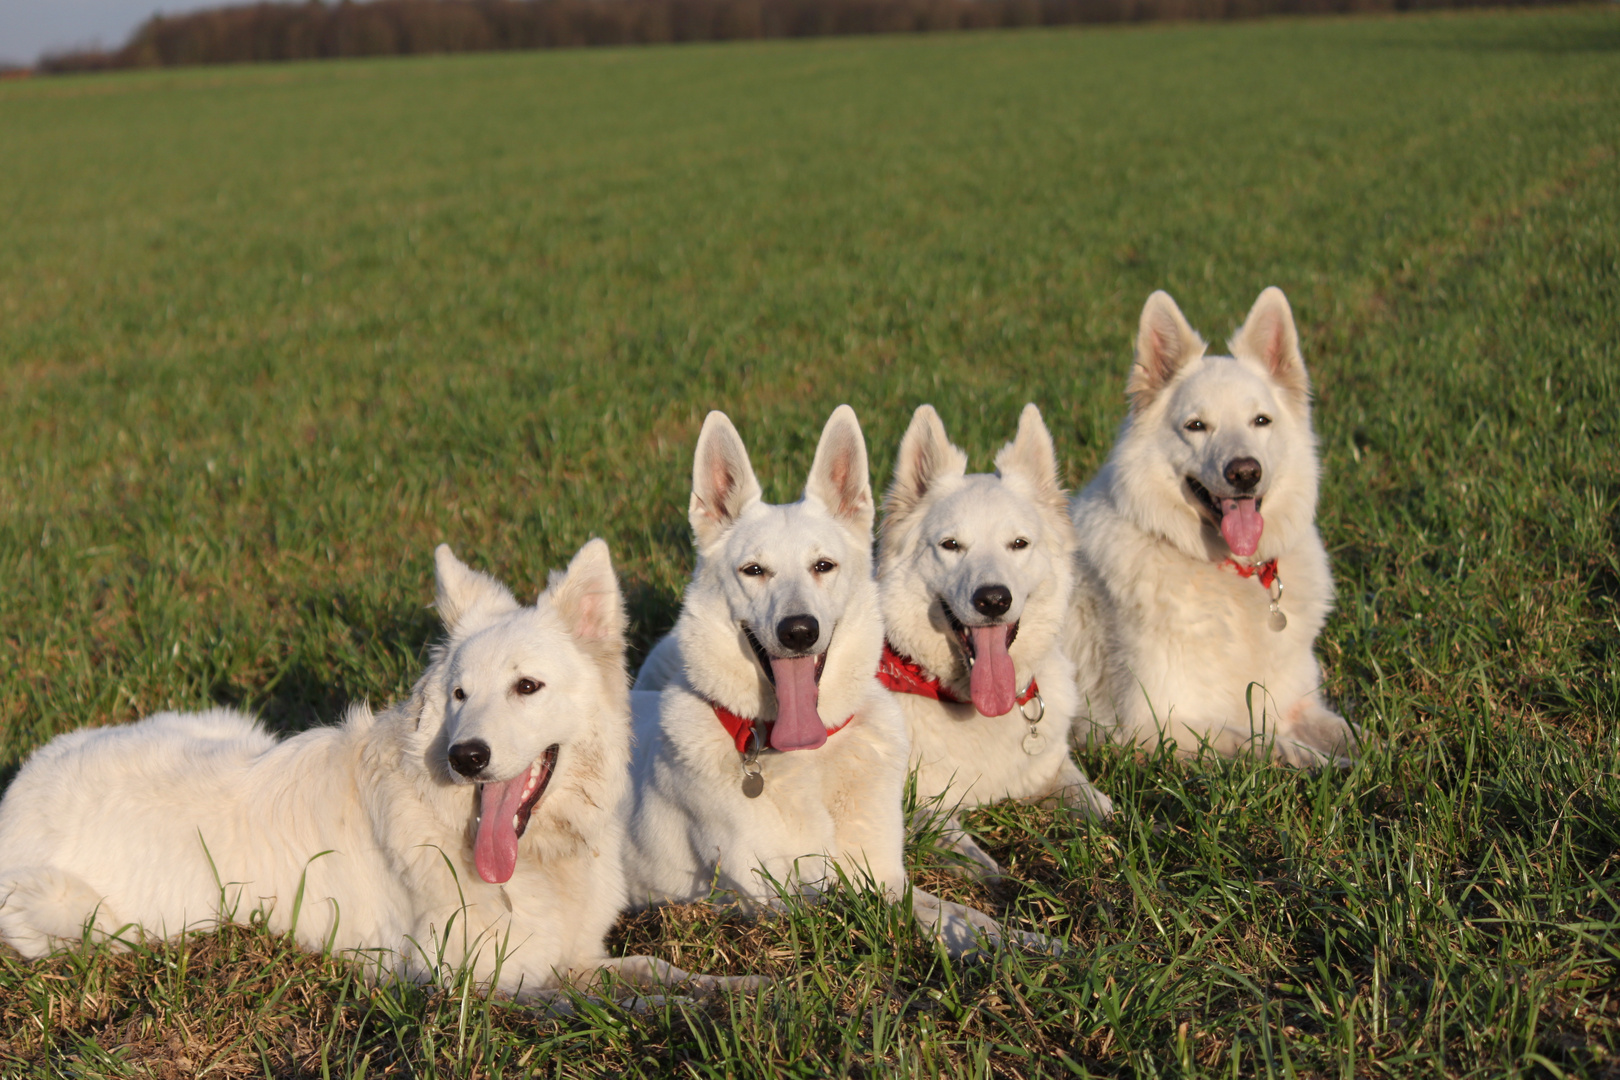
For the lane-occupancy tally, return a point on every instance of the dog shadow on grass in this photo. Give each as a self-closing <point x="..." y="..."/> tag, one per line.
<point x="652" y="609"/>
<point x="315" y="685"/>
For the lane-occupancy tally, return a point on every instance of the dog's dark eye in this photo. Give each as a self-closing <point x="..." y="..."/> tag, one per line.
<point x="1019" y="544"/>
<point x="950" y="544"/>
<point x="1262" y="420"/>
<point x="527" y="686"/>
<point x="1194" y="425"/>
<point x="753" y="569"/>
<point x="824" y="566"/>
<point x="459" y="694"/>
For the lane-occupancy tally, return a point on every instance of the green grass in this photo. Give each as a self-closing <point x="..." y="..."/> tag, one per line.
<point x="269" y="333"/>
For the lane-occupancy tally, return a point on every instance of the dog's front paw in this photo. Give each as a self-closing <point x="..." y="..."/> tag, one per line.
<point x="1083" y="799"/>
<point x="1039" y="943"/>
<point x="708" y="986"/>
<point x="970" y="934"/>
<point x="1320" y="740"/>
<point x="967" y="858"/>
<point x="945" y="837"/>
<point x="651" y="973"/>
<point x="1327" y="744"/>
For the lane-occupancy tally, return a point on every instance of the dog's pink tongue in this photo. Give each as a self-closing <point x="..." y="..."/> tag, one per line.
<point x="994" y="683"/>
<point x="1242" y="525"/>
<point x="495" y="850"/>
<point x="798" y="725"/>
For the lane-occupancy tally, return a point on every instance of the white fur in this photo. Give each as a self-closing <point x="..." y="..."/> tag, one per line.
<point x="692" y="828"/>
<point x="182" y="821"/>
<point x="1168" y="641"/>
<point x="962" y="757"/>
<point x="959" y="753"/>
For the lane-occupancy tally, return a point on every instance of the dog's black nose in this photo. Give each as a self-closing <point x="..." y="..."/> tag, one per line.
<point x="798" y="632"/>
<point x="469" y="758"/>
<point x="992" y="600"/>
<point x="1243" y="473"/>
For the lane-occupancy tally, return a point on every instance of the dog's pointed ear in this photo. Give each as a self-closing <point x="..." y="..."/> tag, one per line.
<point x="466" y="598"/>
<point x="723" y="483"/>
<point x="926" y="457"/>
<point x="839" y="477"/>
<point x="587" y="597"/>
<point x="1269" y="336"/>
<point x="1032" y="457"/>
<point x="1165" y="343"/>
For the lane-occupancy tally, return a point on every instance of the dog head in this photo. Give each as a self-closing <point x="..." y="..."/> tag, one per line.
<point x="1218" y="450"/>
<point x="765" y="624"/>
<point x="534" y="700"/>
<point x="974" y="571"/>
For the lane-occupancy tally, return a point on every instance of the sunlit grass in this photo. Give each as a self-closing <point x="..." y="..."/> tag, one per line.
<point x="268" y="334"/>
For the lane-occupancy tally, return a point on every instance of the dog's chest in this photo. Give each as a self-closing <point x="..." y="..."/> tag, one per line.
<point x="808" y="788"/>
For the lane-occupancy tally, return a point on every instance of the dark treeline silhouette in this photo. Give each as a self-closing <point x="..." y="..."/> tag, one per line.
<point x="314" y="30"/>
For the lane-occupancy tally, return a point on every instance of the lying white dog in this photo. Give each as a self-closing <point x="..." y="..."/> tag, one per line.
<point x="1204" y="511"/>
<point x="975" y="579"/>
<point x="477" y="823"/>
<point x="772" y="753"/>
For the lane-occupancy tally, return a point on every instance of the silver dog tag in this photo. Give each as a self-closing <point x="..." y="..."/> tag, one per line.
<point x="1034" y="742"/>
<point x="753" y="780"/>
<point x="1277" y="620"/>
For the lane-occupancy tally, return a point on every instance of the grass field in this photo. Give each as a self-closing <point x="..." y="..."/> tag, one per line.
<point x="269" y="333"/>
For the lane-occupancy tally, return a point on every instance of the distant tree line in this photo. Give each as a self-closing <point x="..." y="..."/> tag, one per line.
<point x="316" y="30"/>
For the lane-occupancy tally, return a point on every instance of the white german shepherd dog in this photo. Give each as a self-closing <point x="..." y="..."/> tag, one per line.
<point x="974" y="574"/>
<point x="479" y="822"/>
<point x="1204" y="511"/>
<point x="771" y="755"/>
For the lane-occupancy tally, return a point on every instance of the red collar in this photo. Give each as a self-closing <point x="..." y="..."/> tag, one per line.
<point x="741" y="728"/>
<point x="904" y="675"/>
<point x="1267" y="571"/>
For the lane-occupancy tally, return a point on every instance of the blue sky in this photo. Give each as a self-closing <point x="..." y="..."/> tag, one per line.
<point x="30" y="27"/>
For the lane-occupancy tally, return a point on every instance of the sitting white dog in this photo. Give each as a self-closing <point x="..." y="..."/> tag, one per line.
<point x="1204" y="511"/>
<point x="477" y="823"/>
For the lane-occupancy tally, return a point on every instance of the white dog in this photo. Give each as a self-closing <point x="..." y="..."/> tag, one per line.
<point x="772" y="753"/>
<point x="479" y="822"/>
<point x="975" y="577"/>
<point x="1204" y="511"/>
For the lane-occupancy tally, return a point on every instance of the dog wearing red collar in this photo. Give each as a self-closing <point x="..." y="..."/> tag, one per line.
<point x="974" y="571"/>
<point x="767" y="754"/>
<point x="1203" y="514"/>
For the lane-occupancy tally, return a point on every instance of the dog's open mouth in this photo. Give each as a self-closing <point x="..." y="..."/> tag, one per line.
<point x="797" y="682"/>
<point x="1238" y="519"/>
<point x="765" y="660"/>
<point x="503" y="815"/>
<point x="992" y="676"/>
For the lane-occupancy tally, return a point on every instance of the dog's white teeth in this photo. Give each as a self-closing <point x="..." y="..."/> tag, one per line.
<point x="514" y="823"/>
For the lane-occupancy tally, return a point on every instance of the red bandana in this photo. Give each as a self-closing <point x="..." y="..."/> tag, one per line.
<point x="904" y="675"/>
<point x="1267" y="571"/>
<point x="741" y="728"/>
